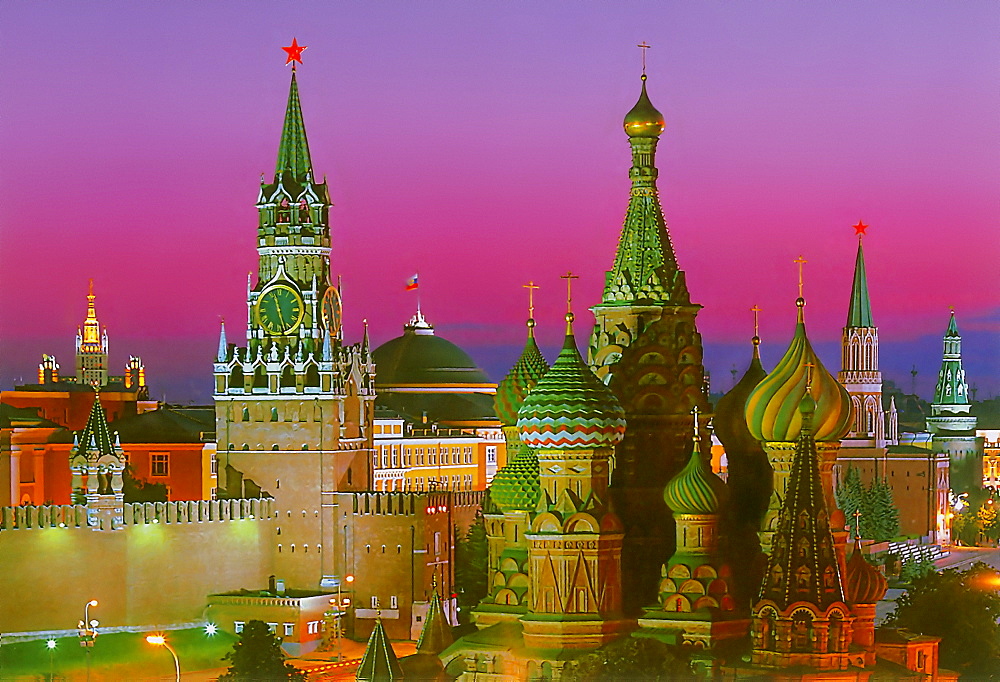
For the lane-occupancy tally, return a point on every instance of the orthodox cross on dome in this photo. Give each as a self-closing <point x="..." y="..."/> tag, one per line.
<point x="809" y="374"/>
<point x="857" y="523"/>
<point x="859" y="229"/>
<point x="756" y="326"/>
<point x="643" y="46"/>
<point x="695" y="411"/>
<point x="531" y="286"/>
<point x="800" y="261"/>
<point x="569" y="277"/>
<point x="294" y="53"/>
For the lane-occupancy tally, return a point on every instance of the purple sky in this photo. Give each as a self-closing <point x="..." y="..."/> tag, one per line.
<point x="481" y="145"/>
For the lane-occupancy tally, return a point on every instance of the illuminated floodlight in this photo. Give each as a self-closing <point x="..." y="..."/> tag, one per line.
<point x="50" y="644"/>
<point x="158" y="640"/>
<point x="349" y="578"/>
<point x="92" y="602"/>
<point x="211" y="629"/>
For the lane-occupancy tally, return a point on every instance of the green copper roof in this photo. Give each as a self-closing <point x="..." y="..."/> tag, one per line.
<point x="435" y="636"/>
<point x="803" y="565"/>
<point x="951" y="388"/>
<point x="521" y="378"/>
<point x="772" y="410"/>
<point x="96" y="435"/>
<point x="645" y="268"/>
<point x="293" y="151"/>
<point x="570" y="407"/>
<point x="516" y="486"/>
<point x="695" y="489"/>
<point x="860" y="312"/>
<point x="379" y="663"/>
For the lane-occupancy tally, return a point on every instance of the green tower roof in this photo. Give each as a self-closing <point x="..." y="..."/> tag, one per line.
<point x="521" y="378"/>
<point x="96" y="434"/>
<point x="293" y="151"/>
<point x="516" y="486"/>
<point x="379" y="663"/>
<point x="695" y="489"/>
<point x="860" y="312"/>
<point x="435" y="636"/>
<point x="570" y="407"/>
<point x="803" y="565"/>
<point x="951" y="388"/>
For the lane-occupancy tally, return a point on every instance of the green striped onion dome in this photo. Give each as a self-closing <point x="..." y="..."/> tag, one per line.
<point x="521" y="378"/>
<point x="772" y="410"/>
<point x="516" y="486"/>
<point x="695" y="489"/>
<point x="570" y="407"/>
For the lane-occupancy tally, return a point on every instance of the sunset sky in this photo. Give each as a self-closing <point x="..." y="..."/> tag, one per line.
<point x="481" y="145"/>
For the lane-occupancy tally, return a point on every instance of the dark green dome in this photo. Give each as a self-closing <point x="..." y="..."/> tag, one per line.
<point x="521" y="378"/>
<point x="695" y="489"/>
<point x="516" y="486"/>
<point x="420" y="357"/>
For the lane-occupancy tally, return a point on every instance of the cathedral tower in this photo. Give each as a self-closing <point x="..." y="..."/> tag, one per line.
<point x="954" y="428"/>
<point x="294" y="405"/>
<point x="91" y="347"/>
<point x="647" y="349"/>
<point x="859" y="372"/>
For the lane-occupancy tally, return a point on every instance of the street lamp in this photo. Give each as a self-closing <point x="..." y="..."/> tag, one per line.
<point x="50" y="644"/>
<point x="340" y="602"/>
<point x="88" y="632"/>
<point x="160" y="640"/>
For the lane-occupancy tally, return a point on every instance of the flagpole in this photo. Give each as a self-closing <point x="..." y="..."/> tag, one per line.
<point x="418" y="294"/>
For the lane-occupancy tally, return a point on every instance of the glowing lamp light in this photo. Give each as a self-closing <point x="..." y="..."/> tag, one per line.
<point x="346" y="602"/>
<point x="349" y="578"/>
<point x="50" y="644"/>
<point x="92" y="602"/>
<point x="444" y="508"/>
<point x="157" y="640"/>
<point x="211" y="629"/>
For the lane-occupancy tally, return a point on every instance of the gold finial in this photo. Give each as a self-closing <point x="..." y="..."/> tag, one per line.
<point x="643" y="46"/>
<point x="434" y="581"/>
<point x="800" y="261"/>
<point x="695" y="411"/>
<point x="90" y="289"/>
<point x="531" y="286"/>
<point x="569" y="277"/>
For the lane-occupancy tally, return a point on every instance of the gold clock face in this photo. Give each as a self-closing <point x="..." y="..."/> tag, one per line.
<point x="279" y="310"/>
<point x="332" y="311"/>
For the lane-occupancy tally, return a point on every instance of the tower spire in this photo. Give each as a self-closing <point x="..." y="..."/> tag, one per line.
<point x="859" y="314"/>
<point x="293" y="150"/>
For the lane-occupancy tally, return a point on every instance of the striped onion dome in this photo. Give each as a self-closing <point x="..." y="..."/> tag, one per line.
<point x="521" y="378"/>
<point x="570" y="407"/>
<point x="772" y="410"/>
<point x="865" y="583"/>
<point x="516" y="486"/>
<point x="695" y="489"/>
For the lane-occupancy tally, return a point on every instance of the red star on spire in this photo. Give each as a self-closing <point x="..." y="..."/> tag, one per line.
<point x="860" y="228"/>
<point x="294" y="53"/>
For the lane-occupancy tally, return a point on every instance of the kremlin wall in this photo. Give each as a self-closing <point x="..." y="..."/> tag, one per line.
<point x="328" y="468"/>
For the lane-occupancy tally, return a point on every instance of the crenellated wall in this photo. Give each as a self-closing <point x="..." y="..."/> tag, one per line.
<point x="157" y="569"/>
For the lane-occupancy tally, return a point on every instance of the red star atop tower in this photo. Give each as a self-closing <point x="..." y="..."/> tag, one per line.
<point x="860" y="228"/>
<point x="294" y="53"/>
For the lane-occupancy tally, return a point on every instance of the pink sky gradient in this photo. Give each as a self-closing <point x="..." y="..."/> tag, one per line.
<point x="481" y="145"/>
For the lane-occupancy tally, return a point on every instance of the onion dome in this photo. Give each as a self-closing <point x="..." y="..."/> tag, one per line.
<point x="865" y="583"/>
<point x="516" y="486"/>
<point x="521" y="378"/>
<point x="772" y="410"/>
<point x="643" y="120"/>
<point x="570" y="407"/>
<point x="695" y="489"/>
<point x="730" y="420"/>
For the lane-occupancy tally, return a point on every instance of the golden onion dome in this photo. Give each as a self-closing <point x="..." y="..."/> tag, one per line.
<point x="643" y="120"/>
<point x="772" y="410"/>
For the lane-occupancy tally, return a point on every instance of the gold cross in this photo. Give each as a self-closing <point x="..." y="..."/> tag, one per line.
<point x="857" y="523"/>
<point x="569" y="277"/>
<point x="809" y="376"/>
<point x="643" y="46"/>
<point x="800" y="261"/>
<point x="694" y="411"/>
<point x="756" y="309"/>
<point x="531" y="286"/>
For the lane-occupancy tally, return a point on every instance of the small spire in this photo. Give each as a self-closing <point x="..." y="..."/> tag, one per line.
<point x="697" y="436"/>
<point x="859" y="314"/>
<point x="364" y="338"/>
<point x="531" y="286"/>
<point x="379" y="662"/>
<point x="756" y="327"/>
<point x="223" y="345"/>
<point x="327" y="348"/>
<point x="569" y="277"/>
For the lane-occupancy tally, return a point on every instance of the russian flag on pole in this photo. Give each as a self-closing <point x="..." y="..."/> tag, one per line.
<point x="411" y="283"/>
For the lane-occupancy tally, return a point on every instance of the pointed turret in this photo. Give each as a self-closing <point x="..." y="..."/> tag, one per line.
<point x="223" y="351"/>
<point x="859" y="314"/>
<point x="91" y="347"/>
<point x="96" y="435"/>
<point x="293" y="150"/>
<point x="97" y="462"/>
<point x="435" y="636"/>
<point x="951" y="388"/>
<point x="379" y="664"/>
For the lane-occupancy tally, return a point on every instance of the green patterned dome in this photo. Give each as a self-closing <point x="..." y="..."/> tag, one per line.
<point x="521" y="378"/>
<point x="516" y="486"/>
<point x="695" y="489"/>
<point x="643" y="120"/>
<point x="570" y="407"/>
<point x="772" y="410"/>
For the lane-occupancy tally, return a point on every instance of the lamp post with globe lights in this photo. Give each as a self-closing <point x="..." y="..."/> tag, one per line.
<point x="87" y="629"/>
<point x="338" y="613"/>
<point x="160" y="640"/>
<point x="50" y="644"/>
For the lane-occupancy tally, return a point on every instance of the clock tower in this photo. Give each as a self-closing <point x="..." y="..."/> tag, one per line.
<point x="294" y="404"/>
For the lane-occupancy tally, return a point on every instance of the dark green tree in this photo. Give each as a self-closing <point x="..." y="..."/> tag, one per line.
<point x="257" y="656"/>
<point x="880" y="511"/>
<point x="631" y="658"/>
<point x="141" y="490"/>
<point x="962" y="608"/>
<point x="850" y="496"/>
<point x="471" y="566"/>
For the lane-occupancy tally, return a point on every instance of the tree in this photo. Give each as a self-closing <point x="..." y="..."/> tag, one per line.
<point x="140" y="490"/>
<point x="258" y="656"/>
<point x="471" y="566"/>
<point x="960" y="607"/>
<point x="850" y="496"/>
<point x="881" y="512"/>
<point x="631" y="658"/>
